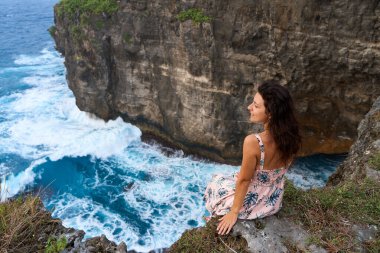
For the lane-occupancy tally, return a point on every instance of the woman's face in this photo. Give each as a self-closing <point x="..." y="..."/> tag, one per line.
<point x="257" y="110"/>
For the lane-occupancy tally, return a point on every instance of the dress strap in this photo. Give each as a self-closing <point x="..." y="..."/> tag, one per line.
<point x="261" y="144"/>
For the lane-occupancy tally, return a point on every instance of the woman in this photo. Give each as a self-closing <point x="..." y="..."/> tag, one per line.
<point x="256" y="191"/>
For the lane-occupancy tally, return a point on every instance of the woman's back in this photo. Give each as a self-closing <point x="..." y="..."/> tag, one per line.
<point x="272" y="155"/>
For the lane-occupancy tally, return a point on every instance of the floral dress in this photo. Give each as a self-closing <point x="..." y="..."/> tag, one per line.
<point x="263" y="198"/>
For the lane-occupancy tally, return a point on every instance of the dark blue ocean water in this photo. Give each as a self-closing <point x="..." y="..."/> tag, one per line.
<point x="83" y="164"/>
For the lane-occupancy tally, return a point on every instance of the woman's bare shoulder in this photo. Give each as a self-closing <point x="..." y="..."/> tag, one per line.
<point x="251" y="144"/>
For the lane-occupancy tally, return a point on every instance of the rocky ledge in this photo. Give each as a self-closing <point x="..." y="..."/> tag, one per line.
<point x="184" y="71"/>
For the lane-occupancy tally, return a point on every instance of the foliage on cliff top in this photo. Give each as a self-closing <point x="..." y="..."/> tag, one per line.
<point x="71" y="7"/>
<point x="329" y="213"/>
<point x="205" y="239"/>
<point x="26" y="227"/>
<point x="375" y="161"/>
<point x="193" y="14"/>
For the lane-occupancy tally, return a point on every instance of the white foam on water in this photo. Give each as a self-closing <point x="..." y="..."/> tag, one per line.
<point x="83" y="213"/>
<point x="14" y="184"/>
<point x="46" y="57"/>
<point x="4" y="170"/>
<point x="171" y="197"/>
<point x="44" y="122"/>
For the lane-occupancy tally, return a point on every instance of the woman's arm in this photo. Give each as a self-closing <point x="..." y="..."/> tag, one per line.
<point x="247" y="170"/>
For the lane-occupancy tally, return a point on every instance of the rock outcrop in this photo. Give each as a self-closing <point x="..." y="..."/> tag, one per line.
<point x="190" y="84"/>
<point x="274" y="235"/>
<point x="367" y="147"/>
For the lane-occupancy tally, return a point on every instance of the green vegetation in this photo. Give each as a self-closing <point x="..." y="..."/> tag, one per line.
<point x="25" y="226"/>
<point x="375" y="161"/>
<point x="99" y="24"/>
<point x="193" y="14"/>
<point x="55" y="245"/>
<point x="76" y="33"/>
<point x="205" y="239"/>
<point x="127" y="38"/>
<point x="73" y="7"/>
<point x="81" y="12"/>
<point x="329" y="213"/>
<point x="52" y="30"/>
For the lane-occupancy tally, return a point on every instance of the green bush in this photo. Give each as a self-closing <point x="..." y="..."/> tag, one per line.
<point x="127" y="38"/>
<point x="76" y="32"/>
<point x="71" y="7"/>
<point x="375" y="161"/>
<point x="52" y="30"/>
<point x="193" y="14"/>
<point x="55" y="246"/>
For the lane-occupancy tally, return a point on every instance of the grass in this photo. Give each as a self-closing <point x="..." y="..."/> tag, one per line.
<point x="193" y="14"/>
<point x="52" y="30"/>
<point x="76" y="32"/>
<point x="72" y="7"/>
<point x="26" y="227"/>
<point x="329" y="213"/>
<point x="205" y="239"/>
<point x="374" y="162"/>
<point x="127" y="38"/>
<point x="55" y="245"/>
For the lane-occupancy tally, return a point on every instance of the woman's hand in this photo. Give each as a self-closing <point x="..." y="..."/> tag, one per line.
<point x="227" y="222"/>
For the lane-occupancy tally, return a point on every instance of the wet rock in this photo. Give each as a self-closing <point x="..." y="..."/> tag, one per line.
<point x="121" y="248"/>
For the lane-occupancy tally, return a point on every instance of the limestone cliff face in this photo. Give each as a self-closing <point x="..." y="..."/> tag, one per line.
<point x="190" y="84"/>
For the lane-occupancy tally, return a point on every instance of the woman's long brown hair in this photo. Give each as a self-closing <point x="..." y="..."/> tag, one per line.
<point x="282" y="124"/>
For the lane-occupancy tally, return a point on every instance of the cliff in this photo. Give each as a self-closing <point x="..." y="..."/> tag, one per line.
<point x="363" y="161"/>
<point x="189" y="82"/>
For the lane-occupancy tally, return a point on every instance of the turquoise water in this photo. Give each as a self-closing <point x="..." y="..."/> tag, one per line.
<point x="97" y="176"/>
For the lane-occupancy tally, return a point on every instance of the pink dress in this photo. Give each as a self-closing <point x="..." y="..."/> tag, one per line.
<point x="263" y="198"/>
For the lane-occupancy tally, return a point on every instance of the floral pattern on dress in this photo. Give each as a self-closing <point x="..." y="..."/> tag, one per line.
<point x="263" y="177"/>
<point x="273" y="198"/>
<point x="263" y="198"/>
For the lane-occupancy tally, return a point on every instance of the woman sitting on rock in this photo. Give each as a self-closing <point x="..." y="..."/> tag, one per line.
<point x="257" y="190"/>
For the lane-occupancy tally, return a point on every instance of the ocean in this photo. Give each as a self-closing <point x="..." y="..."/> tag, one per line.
<point x="96" y="176"/>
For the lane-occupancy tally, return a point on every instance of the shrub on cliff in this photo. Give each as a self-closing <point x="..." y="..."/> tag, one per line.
<point x="193" y="14"/>
<point x="26" y="227"/>
<point x="72" y="7"/>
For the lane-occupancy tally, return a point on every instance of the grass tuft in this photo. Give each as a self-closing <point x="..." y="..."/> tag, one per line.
<point x="206" y="239"/>
<point x="329" y="213"/>
<point x="55" y="245"/>
<point x="193" y="14"/>
<point x="52" y="30"/>
<point x="375" y="162"/>
<point x="25" y="226"/>
<point x="73" y="7"/>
